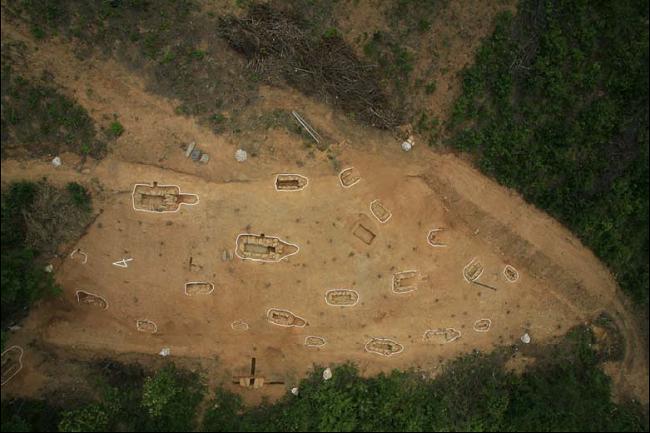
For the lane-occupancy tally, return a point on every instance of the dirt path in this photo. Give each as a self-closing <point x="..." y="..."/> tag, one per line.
<point x="561" y="283"/>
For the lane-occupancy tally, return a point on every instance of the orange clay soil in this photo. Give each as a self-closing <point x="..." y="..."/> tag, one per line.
<point x="561" y="283"/>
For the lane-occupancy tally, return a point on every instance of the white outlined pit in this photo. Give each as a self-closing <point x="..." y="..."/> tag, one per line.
<point x="315" y="341"/>
<point x="342" y="297"/>
<point x="84" y="260"/>
<point x="482" y="325"/>
<point x="473" y="270"/>
<point x="146" y="325"/>
<point x="433" y="238"/>
<point x="91" y="299"/>
<point x="511" y="274"/>
<point x="160" y="198"/>
<point x="239" y="325"/>
<point x="290" y="182"/>
<point x="12" y="363"/>
<point x="284" y="318"/>
<point x="349" y="177"/>
<point x="405" y="281"/>
<point x="194" y="288"/>
<point x="380" y="211"/>
<point x="383" y="346"/>
<point x="441" y="335"/>
<point x="261" y="248"/>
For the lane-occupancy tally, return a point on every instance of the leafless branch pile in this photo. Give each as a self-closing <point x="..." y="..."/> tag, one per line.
<point x="278" y="47"/>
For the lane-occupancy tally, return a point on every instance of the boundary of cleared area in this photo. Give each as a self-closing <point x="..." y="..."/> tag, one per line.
<point x="146" y="321"/>
<point x="515" y="271"/>
<point x="429" y="238"/>
<point x="480" y="329"/>
<point x="78" y="250"/>
<point x="440" y="331"/>
<point x="315" y="345"/>
<point x="239" y="325"/>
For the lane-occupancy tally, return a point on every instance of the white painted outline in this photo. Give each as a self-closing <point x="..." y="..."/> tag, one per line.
<point x="275" y="183"/>
<point x="93" y="294"/>
<point x="337" y="290"/>
<point x="20" y="362"/>
<point x="482" y="330"/>
<point x="506" y="275"/>
<point x="353" y="183"/>
<point x="199" y="282"/>
<point x="239" y="322"/>
<point x="365" y="347"/>
<point x="268" y="312"/>
<point x="392" y="286"/>
<point x="467" y="266"/>
<point x="78" y="250"/>
<point x="315" y="345"/>
<point x="436" y="231"/>
<point x="124" y="263"/>
<point x="262" y="260"/>
<point x="424" y="336"/>
<point x="155" y="327"/>
<point x="164" y="211"/>
<point x="390" y="214"/>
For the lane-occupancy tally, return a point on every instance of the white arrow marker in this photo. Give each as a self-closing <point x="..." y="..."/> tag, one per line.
<point x="122" y="263"/>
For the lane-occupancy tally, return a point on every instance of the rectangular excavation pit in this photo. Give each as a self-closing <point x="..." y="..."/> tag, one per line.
<point x="198" y="288"/>
<point x="290" y="182"/>
<point x="406" y="281"/>
<point x="364" y="234"/>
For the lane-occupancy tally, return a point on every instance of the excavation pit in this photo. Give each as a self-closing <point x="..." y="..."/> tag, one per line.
<point x="263" y="248"/>
<point x="384" y="347"/>
<point x="91" y="300"/>
<point x="511" y="274"/>
<point x="160" y="198"/>
<point x="284" y="318"/>
<point x="342" y="297"/>
<point x="441" y="335"/>
<point x="349" y="177"/>
<point x="198" y="288"/>
<point x="380" y="211"/>
<point x="473" y="270"/>
<point x="146" y="326"/>
<point x="405" y="281"/>
<point x="12" y="363"/>
<point x="314" y="341"/>
<point x="290" y="182"/>
<point x="433" y="238"/>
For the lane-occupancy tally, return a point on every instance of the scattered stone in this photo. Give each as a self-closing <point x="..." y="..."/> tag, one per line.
<point x="165" y="351"/>
<point x="224" y="256"/>
<point x="195" y="155"/>
<point x="204" y="158"/>
<point x="294" y="390"/>
<point x="190" y="149"/>
<point x="408" y="144"/>
<point x="57" y="161"/>
<point x="327" y="374"/>
<point x="49" y="268"/>
<point x="241" y="155"/>
<point x="15" y="328"/>
<point x="525" y="338"/>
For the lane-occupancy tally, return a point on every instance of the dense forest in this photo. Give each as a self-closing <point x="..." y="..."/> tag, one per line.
<point x="556" y="106"/>
<point x="474" y="393"/>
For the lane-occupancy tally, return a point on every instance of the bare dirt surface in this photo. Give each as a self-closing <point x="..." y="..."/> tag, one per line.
<point x="561" y="283"/>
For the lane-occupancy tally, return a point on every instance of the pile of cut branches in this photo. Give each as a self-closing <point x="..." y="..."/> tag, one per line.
<point x="278" y="47"/>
